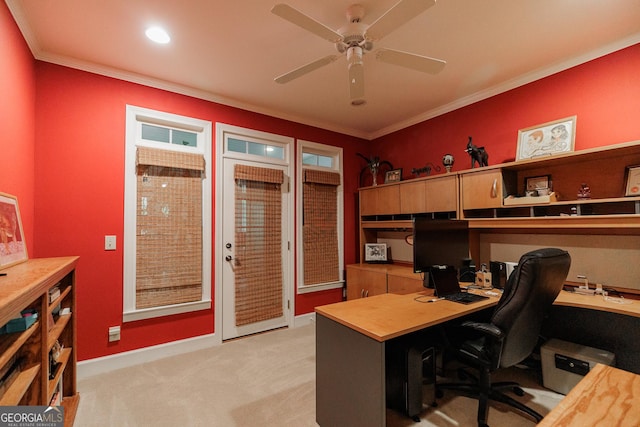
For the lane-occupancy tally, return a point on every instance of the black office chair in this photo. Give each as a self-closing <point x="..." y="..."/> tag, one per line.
<point x="512" y="333"/>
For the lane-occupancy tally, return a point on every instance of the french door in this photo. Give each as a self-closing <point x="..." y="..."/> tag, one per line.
<point x="254" y="247"/>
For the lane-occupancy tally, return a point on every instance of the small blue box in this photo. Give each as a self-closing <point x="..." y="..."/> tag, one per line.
<point x="20" y="324"/>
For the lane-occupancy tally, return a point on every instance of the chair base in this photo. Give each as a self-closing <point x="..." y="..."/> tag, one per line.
<point x="474" y="391"/>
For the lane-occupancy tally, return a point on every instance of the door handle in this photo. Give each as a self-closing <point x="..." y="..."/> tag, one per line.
<point x="228" y="258"/>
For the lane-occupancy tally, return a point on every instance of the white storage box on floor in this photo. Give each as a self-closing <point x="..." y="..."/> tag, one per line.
<point x="564" y="363"/>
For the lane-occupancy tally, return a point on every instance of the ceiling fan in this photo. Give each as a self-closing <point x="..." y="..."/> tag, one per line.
<point x="356" y="38"/>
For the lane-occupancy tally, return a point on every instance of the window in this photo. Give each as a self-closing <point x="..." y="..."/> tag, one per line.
<point x="320" y="217"/>
<point x="167" y="235"/>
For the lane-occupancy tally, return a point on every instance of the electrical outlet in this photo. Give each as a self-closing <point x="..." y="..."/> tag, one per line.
<point x="109" y="243"/>
<point x="114" y="333"/>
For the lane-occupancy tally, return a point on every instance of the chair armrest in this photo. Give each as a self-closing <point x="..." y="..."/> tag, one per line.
<point x="486" y="329"/>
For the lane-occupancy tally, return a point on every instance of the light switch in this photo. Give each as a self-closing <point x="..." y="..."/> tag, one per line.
<point x="109" y="243"/>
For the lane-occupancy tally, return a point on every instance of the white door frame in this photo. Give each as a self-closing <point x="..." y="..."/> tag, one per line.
<point x="223" y="130"/>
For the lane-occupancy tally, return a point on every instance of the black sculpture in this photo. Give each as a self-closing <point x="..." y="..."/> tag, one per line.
<point x="478" y="154"/>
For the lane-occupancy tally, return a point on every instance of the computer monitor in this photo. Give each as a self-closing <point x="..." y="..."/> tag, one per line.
<point x="439" y="242"/>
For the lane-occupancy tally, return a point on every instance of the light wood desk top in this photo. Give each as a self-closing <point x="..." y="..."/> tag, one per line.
<point x="597" y="302"/>
<point x="387" y="316"/>
<point x="606" y="396"/>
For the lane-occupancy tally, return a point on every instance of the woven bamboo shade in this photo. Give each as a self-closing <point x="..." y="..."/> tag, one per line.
<point x="168" y="228"/>
<point x="320" y="234"/>
<point x="258" y="236"/>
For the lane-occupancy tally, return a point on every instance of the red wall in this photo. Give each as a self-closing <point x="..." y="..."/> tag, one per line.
<point x="17" y="118"/>
<point x="80" y="141"/>
<point x="604" y="94"/>
<point x="66" y="155"/>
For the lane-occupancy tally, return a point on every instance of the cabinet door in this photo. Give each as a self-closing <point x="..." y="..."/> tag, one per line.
<point x="380" y="200"/>
<point x="362" y="283"/>
<point x="368" y="201"/>
<point x="442" y="194"/>
<point x="403" y="284"/>
<point x="482" y="190"/>
<point x="412" y="197"/>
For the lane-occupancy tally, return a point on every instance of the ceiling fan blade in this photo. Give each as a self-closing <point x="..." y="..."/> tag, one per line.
<point x="356" y="84"/>
<point x="411" y="60"/>
<point x="303" y="21"/>
<point x="298" y="72"/>
<point x="398" y="15"/>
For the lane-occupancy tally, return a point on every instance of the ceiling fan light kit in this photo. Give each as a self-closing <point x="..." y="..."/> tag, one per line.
<point x="356" y="38"/>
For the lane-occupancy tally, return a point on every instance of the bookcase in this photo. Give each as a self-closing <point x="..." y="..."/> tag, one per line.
<point x="32" y="376"/>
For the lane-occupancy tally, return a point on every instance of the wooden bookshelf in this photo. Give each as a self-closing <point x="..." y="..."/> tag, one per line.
<point x="26" y="286"/>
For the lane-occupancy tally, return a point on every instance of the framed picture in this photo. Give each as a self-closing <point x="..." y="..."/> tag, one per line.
<point x="632" y="187"/>
<point x="547" y="139"/>
<point x="537" y="185"/>
<point x="13" y="248"/>
<point x="375" y="252"/>
<point x="394" y="175"/>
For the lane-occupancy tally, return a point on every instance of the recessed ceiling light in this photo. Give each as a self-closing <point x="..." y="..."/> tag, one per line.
<point x="158" y="35"/>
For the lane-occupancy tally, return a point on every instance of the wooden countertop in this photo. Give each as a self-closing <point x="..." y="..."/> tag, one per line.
<point x="24" y="282"/>
<point x="387" y="316"/>
<point x="597" y="302"/>
<point x="606" y="396"/>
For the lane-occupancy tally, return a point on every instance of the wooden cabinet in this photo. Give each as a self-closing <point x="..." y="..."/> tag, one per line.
<point x="380" y="200"/>
<point x="492" y="197"/>
<point x="366" y="280"/>
<point x="402" y="280"/>
<point x="26" y="286"/>
<point x="482" y="189"/>
<point x="441" y="194"/>
<point x="413" y="197"/>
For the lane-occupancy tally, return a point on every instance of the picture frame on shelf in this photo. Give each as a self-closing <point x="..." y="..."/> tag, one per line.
<point x="375" y="252"/>
<point x="632" y="181"/>
<point x="394" y="175"/>
<point x="537" y="185"/>
<point x="13" y="248"/>
<point x="547" y="139"/>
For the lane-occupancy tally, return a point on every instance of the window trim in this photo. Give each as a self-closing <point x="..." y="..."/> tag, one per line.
<point x="336" y="153"/>
<point x="135" y="116"/>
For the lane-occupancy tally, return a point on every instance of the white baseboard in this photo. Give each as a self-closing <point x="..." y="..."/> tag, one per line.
<point x="101" y="365"/>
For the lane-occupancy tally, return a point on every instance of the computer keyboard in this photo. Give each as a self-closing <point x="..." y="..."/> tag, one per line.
<point x="465" y="297"/>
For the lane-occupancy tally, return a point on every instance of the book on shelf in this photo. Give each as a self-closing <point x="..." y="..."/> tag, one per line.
<point x="54" y="294"/>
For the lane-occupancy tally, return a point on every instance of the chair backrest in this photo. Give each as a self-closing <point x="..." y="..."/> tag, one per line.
<point x="528" y="296"/>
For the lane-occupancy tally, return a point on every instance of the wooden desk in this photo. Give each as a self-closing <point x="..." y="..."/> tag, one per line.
<point x="606" y="396"/>
<point x="351" y="339"/>
<point x="597" y="302"/>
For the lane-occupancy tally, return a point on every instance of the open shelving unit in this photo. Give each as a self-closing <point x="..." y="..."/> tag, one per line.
<point x="478" y="196"/>
<point x="26" y="286"/>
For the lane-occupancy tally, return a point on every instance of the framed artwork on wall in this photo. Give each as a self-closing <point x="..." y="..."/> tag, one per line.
<point x="547" y="139"/>
<point x="13" y="248"/>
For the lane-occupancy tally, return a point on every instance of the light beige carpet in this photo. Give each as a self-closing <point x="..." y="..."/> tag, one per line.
<point x="262" y="380"/>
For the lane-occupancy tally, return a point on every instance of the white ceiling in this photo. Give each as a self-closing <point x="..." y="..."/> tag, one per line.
<point x="230" y="51"/>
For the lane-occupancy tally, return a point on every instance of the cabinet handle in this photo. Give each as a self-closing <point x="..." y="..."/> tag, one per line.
<point x="494" y="188"/>
<point x="366" y="294"/>
<point x="362" y="293"/>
